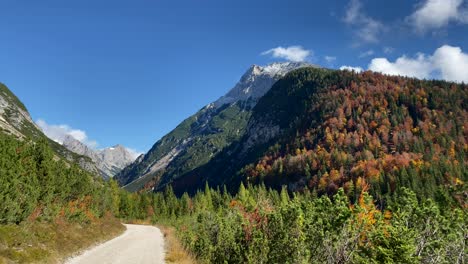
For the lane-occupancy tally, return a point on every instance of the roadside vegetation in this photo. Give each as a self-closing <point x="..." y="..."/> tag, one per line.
<point x="260" y="225"/>
<point x="42" y="242"/>
<point x="176" y="252"/>
<point x="50" y="209"/>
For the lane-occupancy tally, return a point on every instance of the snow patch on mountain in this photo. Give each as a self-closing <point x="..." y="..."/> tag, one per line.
<point x="257" y="81"/>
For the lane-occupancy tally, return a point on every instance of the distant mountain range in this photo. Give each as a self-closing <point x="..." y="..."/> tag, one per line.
<point x="109" y="161"/>
<point x="202" y="136"/>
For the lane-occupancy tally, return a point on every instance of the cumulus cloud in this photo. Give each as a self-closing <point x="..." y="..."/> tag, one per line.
<point x="447" y="62"/>
<point x="419" y="67"/>
<point x="58" y="133"/>
<point x="436" y="14"/>
<point x="351" y="68"/>
<point x="452" y="63"/>
<point x="291" y="53"/>
<point x="366" y="29"/>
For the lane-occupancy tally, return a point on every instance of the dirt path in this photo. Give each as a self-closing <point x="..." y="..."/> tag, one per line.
<point x="138" y="245"/>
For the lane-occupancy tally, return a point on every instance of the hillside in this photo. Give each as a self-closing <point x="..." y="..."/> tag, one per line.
<point x="324" y="129"/>
<point x="202" y="136"/>
<point x="15" y="120"/>
<point x="50" y="208"/>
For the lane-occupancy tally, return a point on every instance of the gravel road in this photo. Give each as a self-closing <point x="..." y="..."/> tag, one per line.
<point x="138" y="245"/>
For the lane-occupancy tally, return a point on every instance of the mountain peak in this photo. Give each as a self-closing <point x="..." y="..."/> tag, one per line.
<point x="117" y="147"/>
<point x="257" y="80"/>
<point x="283" y="68"/>
<point x="205" y="134"/>
<point x="109" y="160"/>
<point x="274" y="68"/>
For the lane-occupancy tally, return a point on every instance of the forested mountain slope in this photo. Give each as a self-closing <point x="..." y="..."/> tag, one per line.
<point x="50" y="208"/>
<point x="324" y="129"/>
<point x="202" y="136"/>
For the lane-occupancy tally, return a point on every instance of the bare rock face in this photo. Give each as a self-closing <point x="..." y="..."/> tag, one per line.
<point x="14" y="118"/>
<point x="76" y="146"/>
<point x="256" y="82"/>
<point x="109" y="161"/>
<point x="112" y="160"/>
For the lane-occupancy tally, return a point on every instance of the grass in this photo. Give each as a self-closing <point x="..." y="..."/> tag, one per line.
<point x="53" y="242"/>
<point x="175" y="251"/>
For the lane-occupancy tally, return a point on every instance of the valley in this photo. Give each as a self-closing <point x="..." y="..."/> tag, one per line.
<point x="287" y="154"/>
<point x="234" y="132"/>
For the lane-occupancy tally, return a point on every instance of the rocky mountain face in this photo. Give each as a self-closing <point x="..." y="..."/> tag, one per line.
<point x="202" y="136"/>
<point x="16" y="120"/>
<point x="109" y="161"/>
<point x="256" y="82"/>
<point x="14" y="117"/>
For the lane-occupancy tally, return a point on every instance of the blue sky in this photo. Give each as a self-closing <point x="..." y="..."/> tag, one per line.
<point x="128" y="72"/>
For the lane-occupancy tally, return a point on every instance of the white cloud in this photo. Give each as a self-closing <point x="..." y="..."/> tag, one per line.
<point x="419" y="67"/>
<point x="330" y="59"/>
<point x="291" y="53"/>
<point x="366" y="29"/>
<point x="436" y="14"/>
<point x="452" y="63"/>
<point x="351" y="68"/>
<point x="366" y="54"/>
<point x="447" y="62"/>
<point x="59" y="132"/>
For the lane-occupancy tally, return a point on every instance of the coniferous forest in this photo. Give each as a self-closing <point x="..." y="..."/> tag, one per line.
<point x="367" y="168"/>
<point x="37" y="186"/>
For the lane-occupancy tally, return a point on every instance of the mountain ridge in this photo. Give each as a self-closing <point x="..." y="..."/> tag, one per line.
<point x="204" y="134"/>
<point x="320" y="130"/>
<point x="109" y="161"/>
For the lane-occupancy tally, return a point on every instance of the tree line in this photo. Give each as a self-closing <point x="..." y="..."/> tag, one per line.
<point x="261" y="225"/>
